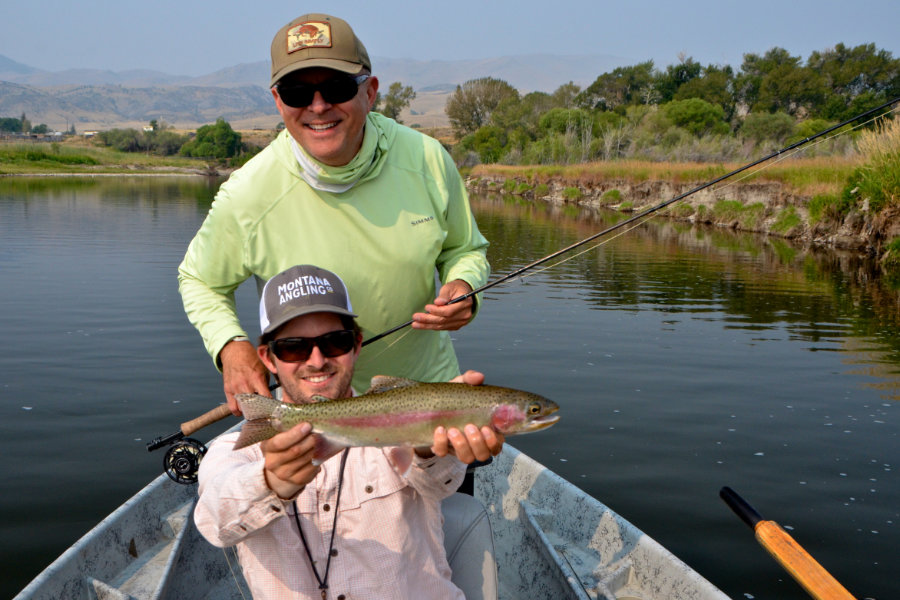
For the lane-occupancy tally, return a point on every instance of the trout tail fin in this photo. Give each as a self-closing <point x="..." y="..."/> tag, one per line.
<point x="258" y="427"/>
<point x="254" y="406"/>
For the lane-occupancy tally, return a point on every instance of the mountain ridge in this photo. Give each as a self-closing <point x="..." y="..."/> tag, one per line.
<point x="107" y="99"/>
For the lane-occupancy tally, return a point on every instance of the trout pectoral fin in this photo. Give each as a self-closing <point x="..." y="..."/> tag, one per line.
<point x="402" y="457"/>
<point x="254" y="431"/>
<point x="325" y="449"/>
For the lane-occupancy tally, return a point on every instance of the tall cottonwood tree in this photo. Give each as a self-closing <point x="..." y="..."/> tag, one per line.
<point x="471" y="105"/>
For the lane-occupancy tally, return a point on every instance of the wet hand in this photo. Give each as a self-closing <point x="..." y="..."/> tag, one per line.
<point x="468" y="445"/>
<point x="471" y="377"/>
<point x="441" y="315"/>
<point x="242" y="373"/>
<point x="288" y="460"/>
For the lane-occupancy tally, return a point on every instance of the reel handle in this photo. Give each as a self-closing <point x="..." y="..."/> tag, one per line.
<point x="207" y="418"/>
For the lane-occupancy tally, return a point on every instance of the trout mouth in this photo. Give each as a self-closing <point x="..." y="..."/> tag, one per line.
<point x="542" y="422"/>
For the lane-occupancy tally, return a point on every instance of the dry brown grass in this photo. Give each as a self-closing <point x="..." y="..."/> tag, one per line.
<point x="803" y="175"/>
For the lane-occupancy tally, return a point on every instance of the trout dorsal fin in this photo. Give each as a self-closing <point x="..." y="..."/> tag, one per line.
<point x="383" y="383"/>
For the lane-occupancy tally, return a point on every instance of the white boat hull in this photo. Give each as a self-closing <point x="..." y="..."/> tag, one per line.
<point x="551" y="540"/>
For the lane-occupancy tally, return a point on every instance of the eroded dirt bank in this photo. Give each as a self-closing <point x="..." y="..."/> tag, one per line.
<point x="766" y="207"/>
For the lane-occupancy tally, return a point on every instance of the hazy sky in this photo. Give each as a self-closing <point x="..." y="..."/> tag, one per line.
<point x="195" y="37"/>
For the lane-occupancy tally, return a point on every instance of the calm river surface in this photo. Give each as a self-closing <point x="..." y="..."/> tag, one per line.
<point x="684" y="360"/>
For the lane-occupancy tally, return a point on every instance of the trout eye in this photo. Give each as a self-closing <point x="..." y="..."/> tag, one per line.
<point x="534" y="408"/>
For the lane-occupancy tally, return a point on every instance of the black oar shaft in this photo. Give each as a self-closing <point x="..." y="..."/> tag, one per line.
<point x="645" y="213"/>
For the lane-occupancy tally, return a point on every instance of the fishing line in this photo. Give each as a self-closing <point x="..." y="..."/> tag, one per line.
<point x="649" y="211"/>
<point x="231" y="568"/>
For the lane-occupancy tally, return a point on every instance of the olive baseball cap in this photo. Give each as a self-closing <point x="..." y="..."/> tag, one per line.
<point x="301" y="290"/>
<point x="317" y="40"/>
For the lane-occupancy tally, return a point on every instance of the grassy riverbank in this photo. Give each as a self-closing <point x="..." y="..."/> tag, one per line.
<point x="53" y="158"/>
<point x="805" y="177"/>
<point x="850" y="202"/>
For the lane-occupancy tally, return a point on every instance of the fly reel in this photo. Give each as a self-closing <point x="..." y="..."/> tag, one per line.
<point x="182" y="460"/>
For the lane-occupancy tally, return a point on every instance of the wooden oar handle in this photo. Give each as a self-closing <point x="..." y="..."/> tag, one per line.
<point x="208" y="418"/>
<point x="804" y="568"/>
<point x="817" y="582"/>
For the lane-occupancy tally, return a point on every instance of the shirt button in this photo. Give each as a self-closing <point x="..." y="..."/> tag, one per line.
<point x="342" y="597"/>
<point x="334" y="552"/>
<point x="369" y="489"/>
<point x="326" y="508"/>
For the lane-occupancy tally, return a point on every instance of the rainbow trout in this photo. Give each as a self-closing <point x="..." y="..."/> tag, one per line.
<point x="398" y="412"/>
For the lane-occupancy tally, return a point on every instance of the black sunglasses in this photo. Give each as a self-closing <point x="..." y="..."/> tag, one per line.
<point x="334" y="91"/>
<point x="298" y="349"/>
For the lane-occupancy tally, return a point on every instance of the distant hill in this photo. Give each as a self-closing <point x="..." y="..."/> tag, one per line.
<point x="99" y="99"/>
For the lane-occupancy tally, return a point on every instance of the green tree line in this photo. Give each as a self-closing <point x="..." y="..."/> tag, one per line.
<point x="217" y="141"/>
<point x="22" y="125"/>
<point x="686" y="111"/>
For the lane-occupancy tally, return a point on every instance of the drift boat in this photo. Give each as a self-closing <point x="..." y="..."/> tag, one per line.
<point x="550" y="540"/>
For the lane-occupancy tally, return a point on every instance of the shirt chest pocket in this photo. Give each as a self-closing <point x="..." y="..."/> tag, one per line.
<point x="365" y="480"/>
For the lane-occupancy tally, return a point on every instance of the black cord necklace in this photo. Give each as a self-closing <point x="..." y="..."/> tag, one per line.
<point x="323" y="581"/>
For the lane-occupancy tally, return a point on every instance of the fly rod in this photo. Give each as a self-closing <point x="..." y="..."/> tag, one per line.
<point x="643" y="214"/>
<point x="817" y="582"/>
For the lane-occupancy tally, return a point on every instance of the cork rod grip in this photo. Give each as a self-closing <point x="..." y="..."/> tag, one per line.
<point x="208" y="418"/>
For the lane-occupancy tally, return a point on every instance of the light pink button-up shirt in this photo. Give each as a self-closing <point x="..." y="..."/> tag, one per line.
<point x="389" y="540"/>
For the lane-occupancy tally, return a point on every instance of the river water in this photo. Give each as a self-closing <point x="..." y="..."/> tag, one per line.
<point x="684" y="359"/>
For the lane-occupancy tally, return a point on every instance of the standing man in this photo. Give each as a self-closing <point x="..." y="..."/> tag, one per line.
<point x="367" y="522"/>
<point x="349" y="190"/>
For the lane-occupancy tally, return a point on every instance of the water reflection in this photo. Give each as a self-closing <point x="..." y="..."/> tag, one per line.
<point x="759" y="282"/>
<point x="685" y="358"/>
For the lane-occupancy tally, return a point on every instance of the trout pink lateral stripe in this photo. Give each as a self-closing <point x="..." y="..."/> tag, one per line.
<point x="399" y="412"/>
<point x="398" y="418"/>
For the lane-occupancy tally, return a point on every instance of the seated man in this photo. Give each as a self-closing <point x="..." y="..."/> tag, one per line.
<point x="357" y="525"/>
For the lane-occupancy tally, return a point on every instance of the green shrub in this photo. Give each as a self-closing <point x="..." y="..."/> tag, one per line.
<point x="612" y="195"/>
<point x="626" y="206"/>
<point x="760" y="127"/>
<point x="541" y="190"/>
<point x="727" y="210"/>
<point x="747" y="216"/>
<point x="786" y="220"/>
<point x="509" y="185"/>
<point x="830" y="207"/>
<point x="571" y="193"/>
<point x="891" y="257"/>
<point x="682" y="210"/>
<point x="697" y="116"/>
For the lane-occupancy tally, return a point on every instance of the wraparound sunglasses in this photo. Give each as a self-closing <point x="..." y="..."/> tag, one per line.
<point x="334" y="91"/>
<point x="298" y="349"/>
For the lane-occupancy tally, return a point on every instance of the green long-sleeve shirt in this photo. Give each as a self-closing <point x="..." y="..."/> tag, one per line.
<point x="408" y="215"/>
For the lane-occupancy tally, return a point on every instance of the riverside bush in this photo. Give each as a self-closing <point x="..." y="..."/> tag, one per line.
<point x="829" y="207"/>
<point x="571" y="193"/>
<point x="878" y="180"/>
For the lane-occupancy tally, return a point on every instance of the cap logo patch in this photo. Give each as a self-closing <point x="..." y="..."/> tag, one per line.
<point x="304" y="285"/>
<point x="311" y="34"/>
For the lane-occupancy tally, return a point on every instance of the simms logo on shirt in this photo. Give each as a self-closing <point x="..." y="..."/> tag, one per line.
<point x="422" y="220"/>
<point x="305" y="285"/>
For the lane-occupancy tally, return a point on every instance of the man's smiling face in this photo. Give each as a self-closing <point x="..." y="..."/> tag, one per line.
<point x="330" y="133"/>
<point x="318" y="375"/>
